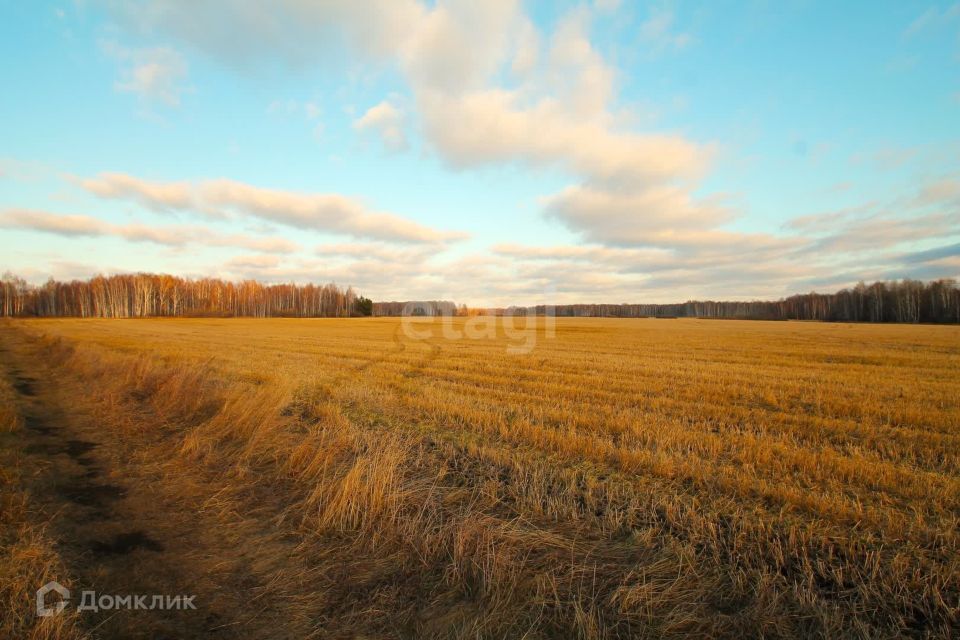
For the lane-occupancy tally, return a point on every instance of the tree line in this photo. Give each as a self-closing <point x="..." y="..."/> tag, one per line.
<point x="896" y="301"/>
<point x="417" y="308"/>
<point x="151" y="295"/>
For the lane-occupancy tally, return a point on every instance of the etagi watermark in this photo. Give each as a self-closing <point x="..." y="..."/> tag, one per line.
<point x="521" y="326"/>
<point x="49" y="605"/>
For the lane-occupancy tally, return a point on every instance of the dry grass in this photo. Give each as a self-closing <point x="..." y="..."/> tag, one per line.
<point x="28" y="558"/>
<point x="641" y="478"/>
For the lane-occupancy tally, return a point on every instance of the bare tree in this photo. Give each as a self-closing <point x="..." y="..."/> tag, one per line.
<point x="144" y="295"/>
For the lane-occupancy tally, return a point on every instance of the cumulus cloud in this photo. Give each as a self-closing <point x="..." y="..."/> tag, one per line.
<point x="387" y="120"/>
<point x="325" y="212"/>
<point x="526" y="52"/>
<point x="80" y="225"/>
<point x="558" y="117"/>
<point x="491" y="127"/>
<point x="225" y="198"/>
<point x="172" y="236"/>
<point x="577" y="74"/>
<point x="458" y="45"/>
<point x="634" y="216"/>
<point x="158" y="196"/>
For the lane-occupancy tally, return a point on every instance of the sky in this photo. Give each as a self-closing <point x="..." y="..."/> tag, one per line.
<point x="490" y="153"/>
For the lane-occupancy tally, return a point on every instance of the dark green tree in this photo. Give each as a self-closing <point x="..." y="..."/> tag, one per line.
<point x="364" y="306"/>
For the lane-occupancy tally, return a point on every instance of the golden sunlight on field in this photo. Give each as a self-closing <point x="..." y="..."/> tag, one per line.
<point x="620" y="478"/>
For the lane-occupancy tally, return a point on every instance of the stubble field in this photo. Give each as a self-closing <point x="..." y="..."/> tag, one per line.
<point x="622" y="478"/>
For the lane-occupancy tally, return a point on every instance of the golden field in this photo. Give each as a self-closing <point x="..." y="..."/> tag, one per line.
<point x="621" y="478"/>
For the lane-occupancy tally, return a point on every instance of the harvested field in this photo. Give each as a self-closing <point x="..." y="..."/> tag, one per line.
<point x="346" y="478"/>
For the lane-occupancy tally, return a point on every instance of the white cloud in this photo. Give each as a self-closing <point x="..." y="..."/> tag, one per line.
<point x="632" y="217"/>
<point x="459" y="45"/>
<point x="578" y="76"/>
<point x="387" y="120"/>
<point x="526" y="53"/>
<point x="880" y="232"/>
<point x="327" y="212"/>
<point x="65" y="225"/>
<point x="931" y="212"/>
<point x="228" y="198"/>
<point x="828" y="250"/>
<point x="172" y="236"/>
<point x="158" y="196"/>
<point x="494" y="127"/>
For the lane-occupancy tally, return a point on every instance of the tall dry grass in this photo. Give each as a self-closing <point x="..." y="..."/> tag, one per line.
<point x="28" y="557"/>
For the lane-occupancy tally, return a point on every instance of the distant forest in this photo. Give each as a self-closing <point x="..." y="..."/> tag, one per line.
<point x="903" y="301"/>
<point x="419" y="308"/>
<point x="149" y="295"/>
<point x="897" y="301"/>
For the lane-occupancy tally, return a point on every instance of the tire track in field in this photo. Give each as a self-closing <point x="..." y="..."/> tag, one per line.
<point x="400" y="347"/>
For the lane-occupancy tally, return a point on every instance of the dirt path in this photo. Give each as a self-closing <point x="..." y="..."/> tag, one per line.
<point x="124" y="528"/>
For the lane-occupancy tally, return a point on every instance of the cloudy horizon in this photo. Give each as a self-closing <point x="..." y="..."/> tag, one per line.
<point x="489" y="153"/>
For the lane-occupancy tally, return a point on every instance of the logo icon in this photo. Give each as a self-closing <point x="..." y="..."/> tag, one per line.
<point x="42" y="609"/>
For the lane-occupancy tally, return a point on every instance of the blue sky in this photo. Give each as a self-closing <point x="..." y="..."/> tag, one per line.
<point x="490" y="153"/>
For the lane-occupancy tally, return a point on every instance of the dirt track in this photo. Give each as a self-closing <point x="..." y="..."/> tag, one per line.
<point x="120" y="525"/>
